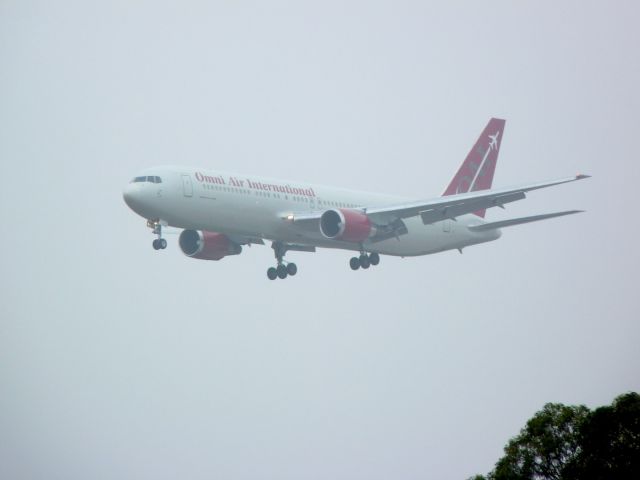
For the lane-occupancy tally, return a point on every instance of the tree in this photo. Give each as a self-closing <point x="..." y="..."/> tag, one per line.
<point x="610" y="442"/>
<point x="573" y="443"/>
<point x="548" y="442"/>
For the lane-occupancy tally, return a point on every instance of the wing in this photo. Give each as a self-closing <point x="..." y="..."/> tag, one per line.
<point x="452" y="206"/>
<point x="245" y="240"/>
<point x="388" y="220"/>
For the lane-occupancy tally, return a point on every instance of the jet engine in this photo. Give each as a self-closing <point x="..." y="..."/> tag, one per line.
<point x="347" y="225"/>
<point x="207" y="245"/>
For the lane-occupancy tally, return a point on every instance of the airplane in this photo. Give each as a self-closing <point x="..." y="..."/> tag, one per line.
<point x="220" y="212"/>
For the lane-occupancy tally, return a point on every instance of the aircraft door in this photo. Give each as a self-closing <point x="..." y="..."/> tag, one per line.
<point x="187" y="187"/>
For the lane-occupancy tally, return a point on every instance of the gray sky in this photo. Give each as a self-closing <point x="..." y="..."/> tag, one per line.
<point x="120" y="362"/>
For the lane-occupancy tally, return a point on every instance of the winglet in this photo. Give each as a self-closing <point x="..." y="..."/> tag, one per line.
<point x="580" y="176"/>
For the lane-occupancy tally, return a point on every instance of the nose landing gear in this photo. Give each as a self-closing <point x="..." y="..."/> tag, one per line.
<point x="364" y="261"/>
<point x="159" y="243"/>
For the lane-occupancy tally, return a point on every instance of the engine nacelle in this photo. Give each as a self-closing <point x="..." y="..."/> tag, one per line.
<point x="347" y="225"/>
<point x="207" y="245"/>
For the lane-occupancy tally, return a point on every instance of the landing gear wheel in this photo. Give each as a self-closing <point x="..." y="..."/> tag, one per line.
<point x="282" y="271"/>
<point x="272" y="273"/>
<point x="162" y="243"/>
<point x="364" y="261"/>
<point x="156" y="244"/>
<point x="354" y="263"/>
<point x="285" y="269"/>
<point x="374" y="259"/>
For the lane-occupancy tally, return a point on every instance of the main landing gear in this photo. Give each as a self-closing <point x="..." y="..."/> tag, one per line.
<point x="284" y="269"/>
<point x="159" y="243"/>
<point x="364" y="261"/>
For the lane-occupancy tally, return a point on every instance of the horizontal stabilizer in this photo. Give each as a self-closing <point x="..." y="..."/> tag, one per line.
<point x="519" y="221"/>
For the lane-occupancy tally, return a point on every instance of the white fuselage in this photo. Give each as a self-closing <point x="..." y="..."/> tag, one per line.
<point x="262" y="208"/>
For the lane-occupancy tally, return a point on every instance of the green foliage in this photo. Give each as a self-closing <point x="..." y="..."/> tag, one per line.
<point x="573" y="443"/>
<point x="610" y="442"/>
<point x="545" y="445"/>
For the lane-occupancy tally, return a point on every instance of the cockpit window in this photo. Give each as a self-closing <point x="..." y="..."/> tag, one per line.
<point x="151" y="179"/>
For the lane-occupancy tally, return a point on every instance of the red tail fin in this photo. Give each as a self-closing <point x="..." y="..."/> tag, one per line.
<point x="476" y="173"/>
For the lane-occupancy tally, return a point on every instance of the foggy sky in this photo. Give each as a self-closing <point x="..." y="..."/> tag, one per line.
<point x="120" y="362"/>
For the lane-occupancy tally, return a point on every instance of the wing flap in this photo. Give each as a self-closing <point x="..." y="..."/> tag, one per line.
<point x="451" y="212"/>
<point x="245" y="240"/>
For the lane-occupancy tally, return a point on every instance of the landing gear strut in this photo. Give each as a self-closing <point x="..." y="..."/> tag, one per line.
<point x="364" y="260"/>
<point x="283" y="269"/>
<point x="159" y="243"/>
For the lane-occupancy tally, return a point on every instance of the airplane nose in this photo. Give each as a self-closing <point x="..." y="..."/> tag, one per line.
<point x="142" y="199"/>
<point x="131" y="195"/>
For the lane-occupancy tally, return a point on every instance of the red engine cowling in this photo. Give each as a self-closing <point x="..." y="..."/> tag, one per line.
<point x="346" y="225"/>
<point x="207" y="245"/>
